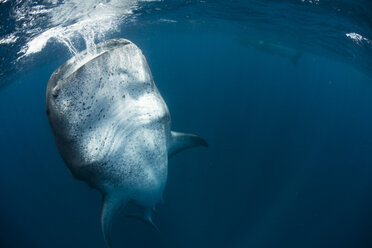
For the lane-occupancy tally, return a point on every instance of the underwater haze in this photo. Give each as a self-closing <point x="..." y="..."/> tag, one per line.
<point x="280" y="89"/>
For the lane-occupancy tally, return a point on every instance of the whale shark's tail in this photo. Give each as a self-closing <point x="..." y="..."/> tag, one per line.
<point x="110" y="207"/>
<point x="113" y="202"/>
<point x="146" y="217"/>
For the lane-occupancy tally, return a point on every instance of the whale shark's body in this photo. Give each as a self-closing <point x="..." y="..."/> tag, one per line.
<point x="112" y="127"/>
<point x="273" y="48"/>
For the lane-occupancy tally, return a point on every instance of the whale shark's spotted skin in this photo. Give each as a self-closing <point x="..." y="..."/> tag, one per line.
<point x="112" y="127"/>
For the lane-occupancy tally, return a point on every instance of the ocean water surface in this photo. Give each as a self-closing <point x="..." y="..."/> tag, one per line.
<point x="281" y="90"/>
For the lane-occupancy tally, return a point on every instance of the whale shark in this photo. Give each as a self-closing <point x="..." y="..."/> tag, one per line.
<point x="113" y="128"/>
<point x="273" y="48"/>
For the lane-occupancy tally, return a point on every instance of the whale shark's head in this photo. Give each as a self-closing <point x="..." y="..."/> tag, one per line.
<point x="112" y="127"/>
<point x="109" y="120"/>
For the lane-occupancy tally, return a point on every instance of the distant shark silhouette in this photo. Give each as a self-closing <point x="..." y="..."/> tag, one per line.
<point x="112" y="127"/>
<point x="273" y="48"/>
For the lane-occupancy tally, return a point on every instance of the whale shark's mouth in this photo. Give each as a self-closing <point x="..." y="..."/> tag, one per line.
<point x="75" y="63"/>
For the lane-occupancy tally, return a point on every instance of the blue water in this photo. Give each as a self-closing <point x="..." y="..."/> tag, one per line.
<point x="289" y="162"/>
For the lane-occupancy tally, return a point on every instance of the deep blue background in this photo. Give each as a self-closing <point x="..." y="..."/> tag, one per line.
<point x="289" y="162"/>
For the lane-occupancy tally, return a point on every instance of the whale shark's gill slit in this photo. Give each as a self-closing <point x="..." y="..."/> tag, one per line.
<point x="111" y="206"/>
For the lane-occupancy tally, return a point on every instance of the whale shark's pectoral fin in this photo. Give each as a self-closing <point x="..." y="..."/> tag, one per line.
<point x="183" y="141"/>
<point x="111" y="206"/>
